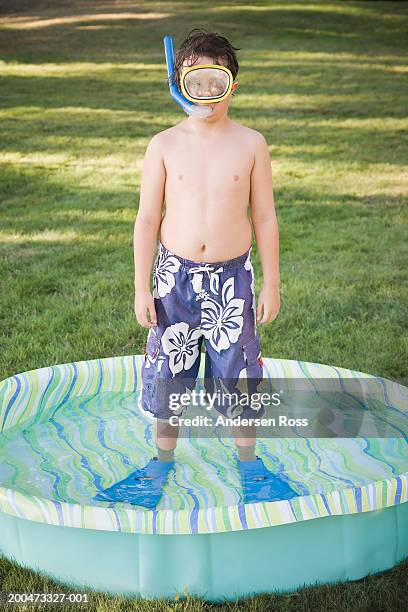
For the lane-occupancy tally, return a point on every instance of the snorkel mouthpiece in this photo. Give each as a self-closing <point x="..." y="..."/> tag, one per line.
<point x="195" y="110"/>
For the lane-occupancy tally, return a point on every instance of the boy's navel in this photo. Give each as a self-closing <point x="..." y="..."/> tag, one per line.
<point x="236" y="177"/>
<point x="180" y="177"/>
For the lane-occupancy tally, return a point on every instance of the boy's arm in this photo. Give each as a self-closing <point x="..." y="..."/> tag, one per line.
<point x="146" y="227"/>
<point x="266" y="231"/>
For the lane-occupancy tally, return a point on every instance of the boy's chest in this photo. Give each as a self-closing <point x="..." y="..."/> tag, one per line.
<point x="219" y="165"/>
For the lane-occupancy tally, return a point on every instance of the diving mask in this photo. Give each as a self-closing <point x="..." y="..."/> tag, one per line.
<point x="206" y="83"/>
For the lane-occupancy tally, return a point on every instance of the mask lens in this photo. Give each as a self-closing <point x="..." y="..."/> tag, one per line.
<point x="206" y="83"/>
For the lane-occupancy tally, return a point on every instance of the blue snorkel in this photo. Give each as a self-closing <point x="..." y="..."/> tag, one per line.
<point x="188" y="107"/>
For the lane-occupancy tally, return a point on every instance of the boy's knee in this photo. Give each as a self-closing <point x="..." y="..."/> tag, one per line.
<point x="165" y="430"/>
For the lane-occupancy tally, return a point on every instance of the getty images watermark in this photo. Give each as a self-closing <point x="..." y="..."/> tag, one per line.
<point x="325" y="407"/>
<point x="236" y="405"/>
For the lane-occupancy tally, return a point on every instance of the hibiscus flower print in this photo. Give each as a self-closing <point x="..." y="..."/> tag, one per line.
<point x="180" y="343"/>
<point x="202" y="295"/>
<point x="222" y="323"/>
<point x="149" y="360"/>
<point x="248" y="266"/>
<point x="233" y="410"/>
<point x="163" y="276"/>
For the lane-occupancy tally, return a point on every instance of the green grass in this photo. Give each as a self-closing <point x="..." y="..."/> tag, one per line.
<point x="325" y="82"/>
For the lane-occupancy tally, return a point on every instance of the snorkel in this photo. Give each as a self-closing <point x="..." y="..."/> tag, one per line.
<point x="195" y="110"/>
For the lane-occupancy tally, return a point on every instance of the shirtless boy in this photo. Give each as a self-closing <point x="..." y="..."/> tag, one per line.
<point x="210" y="173"/>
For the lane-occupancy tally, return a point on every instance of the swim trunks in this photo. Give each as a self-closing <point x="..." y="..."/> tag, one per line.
<point x="200" y="302"/>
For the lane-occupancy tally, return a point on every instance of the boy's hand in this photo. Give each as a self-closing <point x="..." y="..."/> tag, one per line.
<point x="144" y="303"/>
<point x="268" y="305"/>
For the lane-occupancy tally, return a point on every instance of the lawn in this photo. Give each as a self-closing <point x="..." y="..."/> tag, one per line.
<point x="84" y="88"/>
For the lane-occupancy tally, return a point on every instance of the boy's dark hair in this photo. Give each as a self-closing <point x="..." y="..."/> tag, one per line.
<point x="200" y="42"/>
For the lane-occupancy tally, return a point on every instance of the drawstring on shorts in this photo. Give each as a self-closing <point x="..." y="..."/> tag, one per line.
<point x="198" y="277"/>
<point x="206" y="268"/>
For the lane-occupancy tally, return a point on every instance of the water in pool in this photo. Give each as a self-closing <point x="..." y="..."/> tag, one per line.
<point x="91" y="442"/>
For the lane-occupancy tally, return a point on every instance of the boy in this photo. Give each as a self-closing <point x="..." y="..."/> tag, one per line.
<point x="209" y="171"/>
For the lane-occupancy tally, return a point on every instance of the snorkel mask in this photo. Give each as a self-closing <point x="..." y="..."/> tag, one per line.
<point x="201" y="84"/>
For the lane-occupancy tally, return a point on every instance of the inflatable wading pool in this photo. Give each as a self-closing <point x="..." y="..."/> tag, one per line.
<point x="70" y="430"/>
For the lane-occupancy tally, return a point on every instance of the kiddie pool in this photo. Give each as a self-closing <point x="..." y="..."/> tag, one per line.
<point x="71" y="429"/>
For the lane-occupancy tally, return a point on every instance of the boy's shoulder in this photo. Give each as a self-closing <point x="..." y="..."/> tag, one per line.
<point x="249" y="133"/>
<point x="164" y="135"/>
<point x="238" y="130"/>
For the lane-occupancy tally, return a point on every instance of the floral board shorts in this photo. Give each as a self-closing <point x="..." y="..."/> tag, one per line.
<point x="200" y="302"/>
